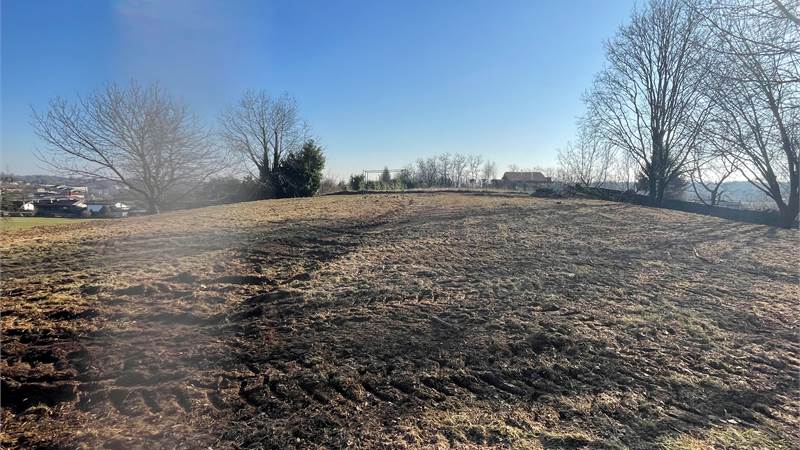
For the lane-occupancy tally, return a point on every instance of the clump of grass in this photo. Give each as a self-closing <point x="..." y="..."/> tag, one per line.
<point x="566" y="440"/>
<point x="729" y="437"/>
<point x="474" y="427"/>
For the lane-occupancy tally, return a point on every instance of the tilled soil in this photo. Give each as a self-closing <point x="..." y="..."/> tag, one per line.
<point x="428" y="320"/>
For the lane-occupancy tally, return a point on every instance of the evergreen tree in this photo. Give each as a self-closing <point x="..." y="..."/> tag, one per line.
<point x="300" y="173"/>
<point x="386" y="176"/>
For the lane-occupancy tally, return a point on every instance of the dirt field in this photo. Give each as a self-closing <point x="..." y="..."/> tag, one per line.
<point x="402" y="321"/>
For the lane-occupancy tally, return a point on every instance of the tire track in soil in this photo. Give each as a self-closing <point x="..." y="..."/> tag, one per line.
<point x="337" y="323"/>
<point x="149" y="366"/>
<point x="386" y="396"/>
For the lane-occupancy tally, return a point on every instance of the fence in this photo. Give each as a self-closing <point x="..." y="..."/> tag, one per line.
<point x="741" y="215"/>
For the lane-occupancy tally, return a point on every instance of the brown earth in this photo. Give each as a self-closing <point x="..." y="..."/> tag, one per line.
<point x="435" y="320"/>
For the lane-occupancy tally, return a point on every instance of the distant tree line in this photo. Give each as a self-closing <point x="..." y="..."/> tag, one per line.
<point x="695" y="93"/>
<point x="148" y="141"/>
<point x="444" y="170"/>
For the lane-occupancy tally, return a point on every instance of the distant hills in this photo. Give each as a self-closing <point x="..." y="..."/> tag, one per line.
<point x="56" y="179"/>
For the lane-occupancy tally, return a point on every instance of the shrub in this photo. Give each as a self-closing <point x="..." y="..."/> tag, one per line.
<point x="357" y="183"/>
<point x="300" y="173"/>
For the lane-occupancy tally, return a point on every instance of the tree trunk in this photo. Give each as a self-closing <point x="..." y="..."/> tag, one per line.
<point x="152" y="207"/>
<point x="263" y="169"/>
<point x="264" y="174"/>
<point x="790" y="210"/>
<point x="652" y="190"/>
<point x="662" y="189"/>
<point x="654" y="176"/>
<point x="276" y="152"/>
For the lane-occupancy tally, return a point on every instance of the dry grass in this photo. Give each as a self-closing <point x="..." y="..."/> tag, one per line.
<point x="8" y="224"/>
<point x="727" y="437"/>
<point x="425" y="320"/>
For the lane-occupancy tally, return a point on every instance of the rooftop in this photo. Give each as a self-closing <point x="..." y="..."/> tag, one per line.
<point x="526" y="176"/>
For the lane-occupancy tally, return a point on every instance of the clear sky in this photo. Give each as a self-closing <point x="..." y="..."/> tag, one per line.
<point x="380" y="82"/>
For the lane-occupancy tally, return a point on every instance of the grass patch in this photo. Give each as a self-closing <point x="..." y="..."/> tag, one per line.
<point x="21" y="223"/>
<point x="725" y="438"/>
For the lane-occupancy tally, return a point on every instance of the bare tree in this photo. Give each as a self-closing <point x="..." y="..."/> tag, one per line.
<point x="547" y="171"/>
<point x="262" y="130"/>
<point x="489" y="171"/>
<point x="587" y="161"/>
<point x="623" y="169"/>
<point x="788" y="13"/>
<point x="756" y="93"/>
<point x="708" y="174"/>
<point x="137" y="136"/>
<point x="289" y="132"/>
<point x="649" y="100"/>
<point x="427" y="171"/>
<point x="247" y="130"/>
<point x="474" y="163"/>
<point x="459" y="169"/>
<point x="445" y="165"/>
<point x="447" y="170"/>
<point x="765" y="25"/>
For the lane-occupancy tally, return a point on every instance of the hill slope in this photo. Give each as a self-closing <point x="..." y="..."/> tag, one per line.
<point x="407" y="321"/>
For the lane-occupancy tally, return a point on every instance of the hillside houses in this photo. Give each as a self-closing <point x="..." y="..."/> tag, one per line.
<point x="523" y="181"/>
<point x="63" y="207"/>
<point x="20" y="198"/>
<point x="60" y="192"/>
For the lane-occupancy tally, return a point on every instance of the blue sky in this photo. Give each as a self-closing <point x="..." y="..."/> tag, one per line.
<point x="380" y="82"/>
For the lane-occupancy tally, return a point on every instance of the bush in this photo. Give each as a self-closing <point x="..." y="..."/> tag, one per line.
<point x="381" y="186"/>
<point x="406" y="179"/>
<point x="675" y="190"/>
<point x="357" y="183"/>
<point x="300" y="173"/>
<point x="545" y="192"/>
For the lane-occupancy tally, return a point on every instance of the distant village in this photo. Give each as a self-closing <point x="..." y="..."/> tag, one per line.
<point x="20" y="197"/>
